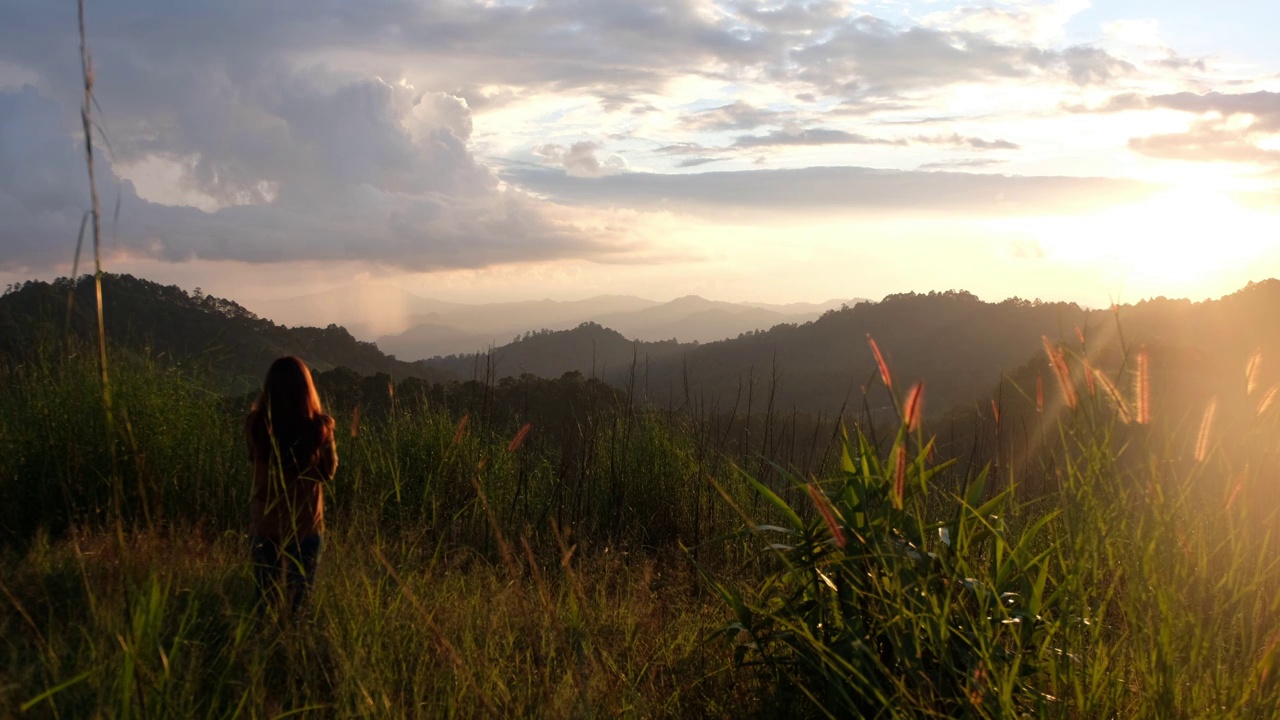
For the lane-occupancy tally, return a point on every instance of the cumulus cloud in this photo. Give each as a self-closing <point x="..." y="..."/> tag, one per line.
<point x="301" y="160"/>
<point x="355" y="171"/>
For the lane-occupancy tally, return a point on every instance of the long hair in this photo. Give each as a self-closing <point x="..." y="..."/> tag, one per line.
<point x="287" y="421"/>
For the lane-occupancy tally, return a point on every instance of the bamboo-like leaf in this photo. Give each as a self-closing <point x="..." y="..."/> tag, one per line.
<point x="777" y="502"/>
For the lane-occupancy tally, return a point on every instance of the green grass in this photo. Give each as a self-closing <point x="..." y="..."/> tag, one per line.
<point x="1141" y="581"/>
<point x="157" y="627"/>
<point x="1114" y="570"/>
<point x="461" y="576"/>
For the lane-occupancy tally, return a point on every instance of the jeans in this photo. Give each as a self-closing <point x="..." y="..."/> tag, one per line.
<point x="295" y="562"/>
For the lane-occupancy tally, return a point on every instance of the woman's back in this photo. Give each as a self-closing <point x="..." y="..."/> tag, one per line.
<point x="292" y="453"/>
<point x="287" y="498"/>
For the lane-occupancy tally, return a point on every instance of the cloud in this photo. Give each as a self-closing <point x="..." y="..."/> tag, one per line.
<point x="1264" y="106"/>
<point x="696" y="161"/>
<point x="1231" y="127"/>
<point x="812" y="136"/>
<point x="738" y="115"/>
<point x="1206" y="141"/>
<point x="317" y="131"/>
<point x="1013" y="23"/>
<point x="43" y="183"/>
<point x="354" y="171"/>
<point x="580" y="160"/>
<point x="871" y="56"/>
<point x="778" y="193"/>
<point x="301" y="160"/>
<point x="975" y="143"/>
<point x="803" y="17"/>
<point x="1094" y="66"/>
<point x="828" y="136"/>
<point x="961" y="164"/>
<point x="682" y="148"/>
<point x="618" y="50"/>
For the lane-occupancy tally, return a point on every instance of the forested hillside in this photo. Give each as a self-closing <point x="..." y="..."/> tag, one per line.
<point x="232" y="343"/>
<point x="959" y="345"/>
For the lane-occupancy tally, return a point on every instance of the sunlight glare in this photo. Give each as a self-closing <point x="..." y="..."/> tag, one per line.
<point x="1187" y="233"/>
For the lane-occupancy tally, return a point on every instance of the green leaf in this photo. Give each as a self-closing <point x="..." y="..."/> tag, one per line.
<point x="55" y="690"/>
<point x="778" y="503"/>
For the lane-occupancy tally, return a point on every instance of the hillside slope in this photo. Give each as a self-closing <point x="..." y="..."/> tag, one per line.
<point x="233" y="342"/>
<point x="959" y="345"/>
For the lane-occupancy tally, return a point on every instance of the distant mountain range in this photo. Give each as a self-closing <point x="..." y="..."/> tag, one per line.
<point x="962" y="348"/>
<point x="413" y="327"/>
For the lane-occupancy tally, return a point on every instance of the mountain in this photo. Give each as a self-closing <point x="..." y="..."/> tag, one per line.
<point x="699" y="327"/>
<point x="473" y="328"/>
<point x="957" y="343"/>
<point x="429" y="339"/>
<point x="470" y="328"/>
<point x="507" y="319"/>
<point x="366" y="309"/>
<point x="805" y="308"/>
<point x="690" y="319"/>
<point x="589" y="349"/>
<point x="959" y="346"/>
<point x="218" y="334"/>
<point x="375" y="311"/>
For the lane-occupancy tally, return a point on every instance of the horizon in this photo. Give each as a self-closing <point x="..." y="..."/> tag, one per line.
<point x="770" y="152"/>
<point x="570" y="298"/>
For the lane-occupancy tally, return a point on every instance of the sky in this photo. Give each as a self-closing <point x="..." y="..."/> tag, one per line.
<point x="765" y="150"/>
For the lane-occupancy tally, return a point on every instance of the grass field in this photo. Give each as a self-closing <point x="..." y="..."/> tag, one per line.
<point x="623" y="564"/>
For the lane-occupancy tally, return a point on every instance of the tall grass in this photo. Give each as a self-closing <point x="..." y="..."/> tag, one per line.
<point x="1141" y="580"/>
<point x="485" y="563"/>
<point x="465" y="574"/>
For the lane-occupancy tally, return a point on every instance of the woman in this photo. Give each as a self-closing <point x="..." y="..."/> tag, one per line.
<point x="292" y="451"/>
